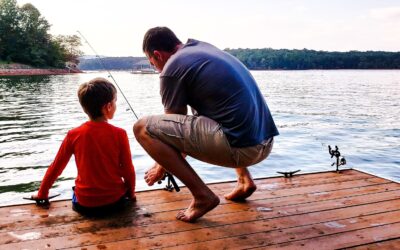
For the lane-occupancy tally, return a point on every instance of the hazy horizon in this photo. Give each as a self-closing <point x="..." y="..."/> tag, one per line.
<point x="116" y="28"/>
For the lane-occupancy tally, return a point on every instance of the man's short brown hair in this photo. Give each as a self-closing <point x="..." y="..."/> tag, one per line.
<point x="159" y="38"/>
<point x="94" y="94"/>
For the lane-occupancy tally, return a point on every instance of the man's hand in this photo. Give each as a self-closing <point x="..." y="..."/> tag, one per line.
<point x="154" y="174"/>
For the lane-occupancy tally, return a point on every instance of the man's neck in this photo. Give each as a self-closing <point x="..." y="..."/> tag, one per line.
<point x="178" y="47"/>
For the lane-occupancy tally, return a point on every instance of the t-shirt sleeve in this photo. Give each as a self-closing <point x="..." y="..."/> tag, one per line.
<point x="173" y="93"/>
<point x="57" y="167"/>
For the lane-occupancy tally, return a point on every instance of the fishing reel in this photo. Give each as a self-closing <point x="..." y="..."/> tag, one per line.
<point x="171" y="184"/>
<point x="340" y="160"/>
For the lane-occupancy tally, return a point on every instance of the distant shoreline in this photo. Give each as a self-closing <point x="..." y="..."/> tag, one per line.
<point x="32" y="72"/>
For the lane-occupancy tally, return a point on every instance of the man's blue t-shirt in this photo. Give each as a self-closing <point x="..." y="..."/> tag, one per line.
<point x="217" y="85"/>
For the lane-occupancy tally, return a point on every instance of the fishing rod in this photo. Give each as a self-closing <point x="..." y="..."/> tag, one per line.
<point x="171" y="181"/>
<point x="109" y="73"/>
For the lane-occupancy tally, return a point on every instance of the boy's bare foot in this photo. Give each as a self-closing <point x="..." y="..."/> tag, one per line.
<point x="198" y="208"/>
<point x="241" y="191"/>
<point x="154" y="174"/>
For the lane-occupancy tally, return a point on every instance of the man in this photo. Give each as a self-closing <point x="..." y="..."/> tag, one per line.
<point x="231" y="125"/>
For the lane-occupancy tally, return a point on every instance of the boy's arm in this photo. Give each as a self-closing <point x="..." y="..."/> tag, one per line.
<point x="128" y="170"/>
<point x="56" y="168"/>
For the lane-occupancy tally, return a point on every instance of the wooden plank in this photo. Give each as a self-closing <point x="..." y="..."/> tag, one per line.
<point x="276" y="203"/>
<point x="111" y="235"/>
<point x="345" y="240"/>
<point x="267" y="235"/>
<point x="85" y="225"/>
<point x="283" y="212"/>
<point x="263" y="184"/>
<point x="293" y="236"/>
<point x="279" y="182"/>
<point x="33" y="220"/>
<point x="390" y="244"/>
<point x="23" y="213"/>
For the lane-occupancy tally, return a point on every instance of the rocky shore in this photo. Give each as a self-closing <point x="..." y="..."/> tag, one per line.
<point x="26" y="72"/>
<point x="23" y="70"/>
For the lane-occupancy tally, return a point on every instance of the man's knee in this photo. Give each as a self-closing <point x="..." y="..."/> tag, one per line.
<point x="139" y="128"/>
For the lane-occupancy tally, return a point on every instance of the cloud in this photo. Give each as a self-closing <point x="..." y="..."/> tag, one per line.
<point x="386" y="14"/>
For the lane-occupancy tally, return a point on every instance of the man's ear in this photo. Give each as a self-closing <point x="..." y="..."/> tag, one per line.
<point x="157" y="54"/>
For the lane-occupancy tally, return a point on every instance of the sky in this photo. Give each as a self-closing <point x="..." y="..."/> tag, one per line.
<point x="116" y="28"/>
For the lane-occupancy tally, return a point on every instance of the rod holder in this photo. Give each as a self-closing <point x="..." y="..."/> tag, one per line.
<point x="171" y="183"/>
<point x="340" y="160"/>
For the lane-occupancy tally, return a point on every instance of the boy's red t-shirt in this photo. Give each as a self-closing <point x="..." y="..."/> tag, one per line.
<point x="103" y="158"/>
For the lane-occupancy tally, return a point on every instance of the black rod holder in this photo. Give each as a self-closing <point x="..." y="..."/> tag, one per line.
<point x="171" y="183"/>
<point x="340" y="160"/>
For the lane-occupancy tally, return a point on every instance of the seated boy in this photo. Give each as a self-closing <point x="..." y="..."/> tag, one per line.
<point x="106" y="176"/>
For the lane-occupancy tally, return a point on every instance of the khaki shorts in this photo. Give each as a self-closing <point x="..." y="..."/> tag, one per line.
<point x="203" y="139"/>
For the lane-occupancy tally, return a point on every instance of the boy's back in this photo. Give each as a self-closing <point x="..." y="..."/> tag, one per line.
<point x="102" y="154"/>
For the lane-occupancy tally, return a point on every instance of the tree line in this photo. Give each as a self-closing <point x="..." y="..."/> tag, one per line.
<point x="271" y="59"/>
<point x="261" y="59"/>
<point x="25" y="38"/>
<point x="109" y="63"/>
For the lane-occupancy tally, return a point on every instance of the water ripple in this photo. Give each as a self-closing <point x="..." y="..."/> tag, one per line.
<point x="354" y="109"/>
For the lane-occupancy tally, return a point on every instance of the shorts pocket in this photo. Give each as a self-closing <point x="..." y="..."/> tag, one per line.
<point x="172" y="128"/>
<point x="179" y="121"/>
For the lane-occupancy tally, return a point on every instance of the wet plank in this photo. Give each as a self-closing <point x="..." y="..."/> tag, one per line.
<point x="390" y="244"/>
<point x="341" y="210"/>
<point x="29" y="219"/>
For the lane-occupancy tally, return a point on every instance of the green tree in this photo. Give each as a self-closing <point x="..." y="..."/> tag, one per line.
<point x="36" y="40"/>
<point x="25" y="38"/>
<point x="10" y="31"/>
<point x="311" y="59"/>
<point x="70" y="44"/>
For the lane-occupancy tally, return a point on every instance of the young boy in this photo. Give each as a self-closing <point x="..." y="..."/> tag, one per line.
<point x="106" y="176"/>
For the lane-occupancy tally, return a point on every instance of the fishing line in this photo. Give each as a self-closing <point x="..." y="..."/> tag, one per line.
<point x="109" y="73"/>
<point x="171" y="185"/>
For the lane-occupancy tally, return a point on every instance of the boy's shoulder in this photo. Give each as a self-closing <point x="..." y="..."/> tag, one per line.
<point x="118" y="129"/>
<point x="89" y="125"/>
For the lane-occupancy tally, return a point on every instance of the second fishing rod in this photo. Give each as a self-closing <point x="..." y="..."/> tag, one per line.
<point x="171" y="185"/>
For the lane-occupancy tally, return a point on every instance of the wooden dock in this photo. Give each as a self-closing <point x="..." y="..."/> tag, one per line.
<point x="326" y="210"/>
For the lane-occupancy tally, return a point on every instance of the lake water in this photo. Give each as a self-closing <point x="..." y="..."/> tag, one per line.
<point x="357" y="110"/>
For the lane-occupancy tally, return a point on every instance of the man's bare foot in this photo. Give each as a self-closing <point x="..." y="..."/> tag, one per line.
<point x="197" y="208"/>
<point x="241" y="191"/>
<point x="154" y="174"/>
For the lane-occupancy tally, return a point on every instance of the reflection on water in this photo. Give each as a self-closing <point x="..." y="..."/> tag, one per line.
<point x="356" y="110"/>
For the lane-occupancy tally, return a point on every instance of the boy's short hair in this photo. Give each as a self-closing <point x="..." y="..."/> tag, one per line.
<point x="94" y="94"/>
<point x="160" y="38"/>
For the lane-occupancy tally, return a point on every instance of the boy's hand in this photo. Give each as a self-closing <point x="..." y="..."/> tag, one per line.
<point x="36" y="197"/>
<point x="133" y="198"/>
<point x="41" y="202"/>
